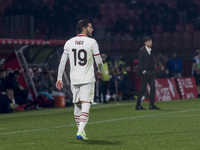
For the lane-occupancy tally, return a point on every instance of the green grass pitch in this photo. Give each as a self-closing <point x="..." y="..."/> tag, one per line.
<point x="113" y="126"/>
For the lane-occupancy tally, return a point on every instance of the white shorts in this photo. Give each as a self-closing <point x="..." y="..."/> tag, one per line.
<point x="83" y="92"/>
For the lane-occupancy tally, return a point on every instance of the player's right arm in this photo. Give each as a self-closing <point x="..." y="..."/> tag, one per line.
<point x="98" y="60"/>
<point x="61" y="68"/>
<point x="99" y="63"/>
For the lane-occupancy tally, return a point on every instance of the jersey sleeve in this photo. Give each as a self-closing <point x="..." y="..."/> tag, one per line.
<point x="97" y="57"/>
<point x="63" y="61"/>
<point x="99" y="63"/>
<point x="65" y="48"/>
<point x="61" y="67"/>
<point x="95" y="48"/>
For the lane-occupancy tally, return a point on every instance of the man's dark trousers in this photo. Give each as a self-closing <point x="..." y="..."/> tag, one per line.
<point x="148" y="77"/>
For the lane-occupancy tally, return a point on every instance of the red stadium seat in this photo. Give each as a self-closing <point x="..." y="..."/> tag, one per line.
<point x="180" y="28"/>
<point x="189" y="27"/>
<point x="157" y="41"/>
<point x="177" y="42"/>
<point x="196" y="39"/>
<point x="110" y="1"/>
<point x="132" y="15"/>
<point x="103" y="21"/>
<point x="136" y="45"/>
<point x="187" y="36"/>
<point x="102" y="6"/>
<point x="103" y="9"/>
<point x="122" y="6"/>
<point x="159" y="29"/>
<point x="187" y="67"/>
<point x="187" y="40"/>
<point x="95" y="21"/>
<point x="196" y="35"/>
<point x="167" y="40"/>
<point x="112" y="7"/>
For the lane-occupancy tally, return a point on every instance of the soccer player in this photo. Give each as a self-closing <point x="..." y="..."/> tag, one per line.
<point x="80" y="50"/>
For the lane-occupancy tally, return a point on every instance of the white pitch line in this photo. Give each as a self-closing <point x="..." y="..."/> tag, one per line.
<point x="185" y="115"/>
<point x="103" y="121"/>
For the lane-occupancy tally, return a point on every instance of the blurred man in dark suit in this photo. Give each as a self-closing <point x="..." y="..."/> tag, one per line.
<point x="146" y="70"/>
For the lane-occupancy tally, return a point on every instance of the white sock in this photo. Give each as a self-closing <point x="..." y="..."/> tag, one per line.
<point x="77" y="113"/>
<point x="84" y="117"/>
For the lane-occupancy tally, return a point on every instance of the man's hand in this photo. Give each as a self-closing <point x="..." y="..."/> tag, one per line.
<point x="59" y="84"/>
<point x="99" y="74"/>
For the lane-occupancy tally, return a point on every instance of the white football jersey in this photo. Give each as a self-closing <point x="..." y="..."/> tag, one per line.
<point x="81" y="50"/>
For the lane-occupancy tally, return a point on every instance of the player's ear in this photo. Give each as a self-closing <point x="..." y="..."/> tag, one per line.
<point x="84" y="29"/>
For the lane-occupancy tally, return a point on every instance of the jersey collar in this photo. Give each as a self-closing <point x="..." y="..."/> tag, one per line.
<point x="81" y="35"/>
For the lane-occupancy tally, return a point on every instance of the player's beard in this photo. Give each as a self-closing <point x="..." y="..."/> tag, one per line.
<point x="89" y="34"/>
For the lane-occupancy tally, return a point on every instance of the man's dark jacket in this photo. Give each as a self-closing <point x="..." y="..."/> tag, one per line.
<point x="145" y="61"/>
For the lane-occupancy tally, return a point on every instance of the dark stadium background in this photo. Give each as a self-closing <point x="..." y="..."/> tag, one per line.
<point x="119" y="26"/>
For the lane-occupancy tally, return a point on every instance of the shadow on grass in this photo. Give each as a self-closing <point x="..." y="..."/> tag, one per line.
<point x="97" y="142"/>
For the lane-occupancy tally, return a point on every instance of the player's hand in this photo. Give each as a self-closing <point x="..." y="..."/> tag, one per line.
<point x="59" y="84"/>
<point x="99" y="74"/>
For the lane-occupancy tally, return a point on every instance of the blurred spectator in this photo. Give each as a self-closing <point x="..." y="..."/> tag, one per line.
<point x="104" y="81"/>
<point x="113" y="84"/>
<point x="162" y="14"/>
<point x="182" y="6"/>
<point x="171" y="20"/>
<point x="192" y="11"/>
<point x="45" y="81"/>
<point x="109" y="61"/>
<point x="165" y="60"/>
<point x="6" y="95"/>
<point x="159" y="66"/>
<point x="20" y="93"/>
<point x="196" y="69"/>
<point x="5" y="87"/>
<point x="119" y="63"/>
<point x="175" y="66"/>
<point x="3" y="81"/>
<point x="136" y="77"/>
<point x="124" y="84"/>
<point x="37" y="78"/>
<point x="119" y="80"/>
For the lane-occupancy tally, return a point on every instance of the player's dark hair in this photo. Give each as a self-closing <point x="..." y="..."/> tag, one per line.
<point x="82" y="24"/>
<point x="147" y="38"/>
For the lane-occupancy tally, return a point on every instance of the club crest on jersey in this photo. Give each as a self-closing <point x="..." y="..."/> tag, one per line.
<point x="79" y="42"/>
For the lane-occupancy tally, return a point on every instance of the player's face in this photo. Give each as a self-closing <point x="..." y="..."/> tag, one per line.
<point x="89" y="30"/>
<point x="148" y="43"/>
